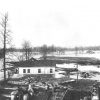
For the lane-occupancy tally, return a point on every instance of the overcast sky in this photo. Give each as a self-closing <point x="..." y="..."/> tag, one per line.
<point x="66" y="23"/>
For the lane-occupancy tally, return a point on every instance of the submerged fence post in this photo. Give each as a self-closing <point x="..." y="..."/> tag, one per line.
<point x="77" y="73"/>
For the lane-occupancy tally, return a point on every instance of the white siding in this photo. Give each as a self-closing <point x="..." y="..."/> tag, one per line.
<point x="34" y="70"/>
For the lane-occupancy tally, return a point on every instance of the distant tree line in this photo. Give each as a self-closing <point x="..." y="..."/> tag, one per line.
<point x="50" y="48"/>
<point x="27" y="50"/>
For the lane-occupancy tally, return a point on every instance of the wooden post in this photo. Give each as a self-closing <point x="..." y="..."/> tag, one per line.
<point x="77" y="73"/>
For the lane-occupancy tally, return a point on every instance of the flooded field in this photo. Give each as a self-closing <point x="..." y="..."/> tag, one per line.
<point x="67" y="54"/>
<point x="93" y="70"/>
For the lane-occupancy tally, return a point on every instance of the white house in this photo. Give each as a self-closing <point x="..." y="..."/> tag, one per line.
<point x="37" y="70"/>
<point x="34" y="66"/>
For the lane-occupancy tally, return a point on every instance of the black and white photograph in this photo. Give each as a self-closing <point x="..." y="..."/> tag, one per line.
<point x="49" y="49"/>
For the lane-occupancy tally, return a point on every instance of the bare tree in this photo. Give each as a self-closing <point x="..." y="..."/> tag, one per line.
<point x="52" y="49"/>
<point x="27" y="50"/>
<point x="76" y="51"/>
<point x="5" y="38"/>
<point x="44" y="51"/>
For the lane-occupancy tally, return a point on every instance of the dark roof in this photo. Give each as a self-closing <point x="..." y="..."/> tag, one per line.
<point x="67" y="69"/>
<point x="9" y="68"/>
<point x="34" y="63"/>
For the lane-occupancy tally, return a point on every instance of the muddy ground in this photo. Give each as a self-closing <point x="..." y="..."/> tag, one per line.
<point x="82" y="84"/>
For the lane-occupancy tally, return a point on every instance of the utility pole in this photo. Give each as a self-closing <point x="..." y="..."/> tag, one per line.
<point x="77" y="72"/>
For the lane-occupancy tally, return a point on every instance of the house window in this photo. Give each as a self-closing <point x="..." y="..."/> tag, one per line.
<point x="51" y="70"/>
<point x="39" y="70"/>
<point x="24" y="70"/>
<point x="28" y="70"/>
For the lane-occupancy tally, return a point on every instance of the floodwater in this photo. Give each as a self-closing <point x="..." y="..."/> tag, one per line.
<point x="94" y="70"/>
<point x="87" y="68"/>
<point x="68" y="54"/>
